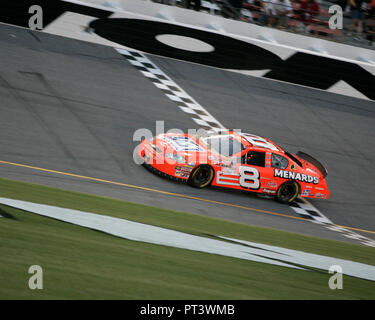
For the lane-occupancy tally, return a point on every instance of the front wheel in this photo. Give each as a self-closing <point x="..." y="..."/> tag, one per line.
<point x="201" y="176"/>
<point x="287" y="192"/>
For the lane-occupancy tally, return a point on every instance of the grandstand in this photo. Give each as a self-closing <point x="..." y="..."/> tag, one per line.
<point x="300" y="18"/>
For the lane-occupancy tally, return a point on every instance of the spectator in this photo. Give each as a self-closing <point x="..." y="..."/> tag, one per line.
<point x="370" y="22"/>
<point x="357" y="8"/>
<point x="342" y="4"/>
<point x="268" y="13"/>
<point x="308" y="13"/>
<point x="282" y="11"/>
<point x="310" y="10"/>
<point x="276" y="13"/>
<point x="260" y="6"/>
<point x="256" y="5"/>
<point x="231" y="9"/>
<point x="235" y="3"/>
<point x="196" y="4"/>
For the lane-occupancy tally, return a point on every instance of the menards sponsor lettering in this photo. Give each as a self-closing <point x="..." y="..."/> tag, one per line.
<point x="295" y="176"/>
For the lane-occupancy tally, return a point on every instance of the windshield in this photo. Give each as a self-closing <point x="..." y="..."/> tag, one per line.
<point x="226" y="145"/>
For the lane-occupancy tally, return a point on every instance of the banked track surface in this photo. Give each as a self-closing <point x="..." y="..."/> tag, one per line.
<point x="74" y="107"/>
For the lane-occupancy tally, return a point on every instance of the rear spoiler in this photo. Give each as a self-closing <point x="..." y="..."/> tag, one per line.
<point x="314" y="162"/>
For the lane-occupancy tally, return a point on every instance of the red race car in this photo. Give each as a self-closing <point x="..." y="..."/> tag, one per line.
<point x="236" y="160"/>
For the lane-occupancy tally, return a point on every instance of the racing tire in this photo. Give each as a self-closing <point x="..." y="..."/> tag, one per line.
<point x="287" y="192"/>
<point x="201" y="176"/>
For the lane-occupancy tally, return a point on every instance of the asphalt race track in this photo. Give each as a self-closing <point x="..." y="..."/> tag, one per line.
<point x="73" y="107"/>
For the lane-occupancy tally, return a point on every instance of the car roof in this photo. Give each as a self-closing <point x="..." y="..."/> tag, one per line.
<point x="259" y="143"/>
<point x="249" y="141"/>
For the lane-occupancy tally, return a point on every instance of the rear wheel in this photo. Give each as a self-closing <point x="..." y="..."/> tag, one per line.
<point x="287" y="192"/>
<point x="201" y="176"/>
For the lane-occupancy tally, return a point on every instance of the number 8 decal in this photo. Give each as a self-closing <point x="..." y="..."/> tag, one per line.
<point x="249" y="177"/>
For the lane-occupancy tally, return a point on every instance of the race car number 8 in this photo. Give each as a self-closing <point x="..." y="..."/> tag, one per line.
<point x="249" y="177"/>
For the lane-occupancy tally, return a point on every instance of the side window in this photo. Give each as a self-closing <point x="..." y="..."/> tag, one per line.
<point x="279" y="162"/>
<point x="225" y="145"/>
<point x="255" y="158"/>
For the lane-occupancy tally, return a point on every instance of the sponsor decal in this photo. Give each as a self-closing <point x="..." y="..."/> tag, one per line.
<point x="320" y="195"/>
<point x="268" y="191"/>
<point x="305" y="193"/>
<point x="295" y="176"/>
<point x="271" y="184"/>
<point x="182" y="143"/>
<point x="182" y="174"/>
<point x="183" y="171"/>
<point x="292" y="167"/>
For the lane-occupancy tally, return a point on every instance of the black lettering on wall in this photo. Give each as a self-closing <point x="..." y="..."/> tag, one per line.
<point x="229" y="53"/>
<point x="320" y="72"/>
<point x="301" y="68"/>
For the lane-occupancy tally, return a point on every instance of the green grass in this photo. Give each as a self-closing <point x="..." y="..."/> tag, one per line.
<point x="80" y="263"/>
